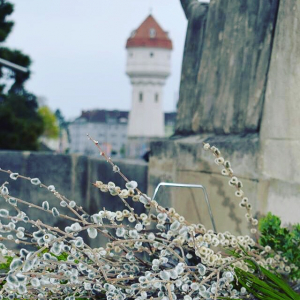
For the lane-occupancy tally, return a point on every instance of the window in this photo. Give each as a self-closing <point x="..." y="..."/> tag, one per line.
<point x="123" y="120"/>
<point x="152" y="33"/>
<point x="156" y="97"/>
<point x="141" y="97"/>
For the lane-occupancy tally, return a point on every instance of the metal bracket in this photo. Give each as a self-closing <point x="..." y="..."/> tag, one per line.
<point x="190" y="186"/>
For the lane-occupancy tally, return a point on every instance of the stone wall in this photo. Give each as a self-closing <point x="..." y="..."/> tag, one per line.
<point x="280" y="129"/>
<point x="72" y="175"/>
<point x="245" y="101"/>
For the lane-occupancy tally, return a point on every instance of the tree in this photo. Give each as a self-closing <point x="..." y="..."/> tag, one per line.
<point x="21" y="125"/>
<point x="51" y="129"/>
<point x="6" y="9"/>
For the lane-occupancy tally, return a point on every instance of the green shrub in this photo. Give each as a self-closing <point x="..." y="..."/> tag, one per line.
<point x="282" y="239"/>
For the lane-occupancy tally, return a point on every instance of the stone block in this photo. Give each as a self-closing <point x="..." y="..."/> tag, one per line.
<point x="190" y="202"/>
<point x="284" y="201"/>
<point x="187" y="153"/>
<point x="282" y="102"/>
<point x="281" y="160"/>
<point x="184" y="160"/>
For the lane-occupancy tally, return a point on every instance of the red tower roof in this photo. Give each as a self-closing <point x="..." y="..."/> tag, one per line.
<point x="149" y="34"/>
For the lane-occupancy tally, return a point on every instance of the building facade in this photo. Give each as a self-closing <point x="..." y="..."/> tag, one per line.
<point x="109" y="128"/>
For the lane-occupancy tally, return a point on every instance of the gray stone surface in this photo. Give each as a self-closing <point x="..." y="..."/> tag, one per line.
<point x="282" y="104"/>
<point x="187" y="153"/>
<point x="280" y="134"/>
<point x="196" y="14"/>
<point x="280" y="130"/>
<point x="183" y="160"/>
<point x="281" y="159"/>
<point x="233" y="68"/>
<point x="72" y="175"/>
<point x="284" y="200"/>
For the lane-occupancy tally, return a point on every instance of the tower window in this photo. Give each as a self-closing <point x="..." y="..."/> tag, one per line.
<point x="151" y="54"/>
<point x="141" y="97"/>
<point x="156" y="97"/>
<point x="152" y="33"/>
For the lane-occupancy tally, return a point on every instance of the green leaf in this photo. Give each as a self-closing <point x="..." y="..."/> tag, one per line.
<point x="280" y="282"/>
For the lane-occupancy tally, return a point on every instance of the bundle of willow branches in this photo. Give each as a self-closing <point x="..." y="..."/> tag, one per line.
<point x="153" y="255"/>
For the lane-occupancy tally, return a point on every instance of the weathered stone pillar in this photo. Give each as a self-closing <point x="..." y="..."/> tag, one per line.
<point x="280" y="130"/>
<point x="196" y="13"/>
<point x="227" y="95"/>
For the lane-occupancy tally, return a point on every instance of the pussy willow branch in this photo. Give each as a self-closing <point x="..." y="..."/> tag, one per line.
<point x="55" y="192"/>
<point x="62" y="237"/>
<point x="159" y="208"/>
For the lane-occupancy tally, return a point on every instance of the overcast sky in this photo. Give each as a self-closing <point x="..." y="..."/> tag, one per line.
<point x="78" y="49"/>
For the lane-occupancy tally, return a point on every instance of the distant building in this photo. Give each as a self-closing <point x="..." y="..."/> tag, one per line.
<point x="109" y="128"/>
<point x="148" y="65"/>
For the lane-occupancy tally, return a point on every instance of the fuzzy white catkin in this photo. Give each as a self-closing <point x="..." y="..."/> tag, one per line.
<point x="35" y="181"/>
<point x="45" y="205"/>
<point x="14" y="176"/>
<point x="92" y="232"/>
<point x="55" y="212"/>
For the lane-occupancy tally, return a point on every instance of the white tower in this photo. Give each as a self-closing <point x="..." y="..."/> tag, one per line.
<point x="148" y="66"/>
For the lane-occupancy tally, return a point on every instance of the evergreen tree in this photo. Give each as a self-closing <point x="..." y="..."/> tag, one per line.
<point x="20" y="123"/>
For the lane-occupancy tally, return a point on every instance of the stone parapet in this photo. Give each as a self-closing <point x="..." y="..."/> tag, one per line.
<point x="72" y="176"/>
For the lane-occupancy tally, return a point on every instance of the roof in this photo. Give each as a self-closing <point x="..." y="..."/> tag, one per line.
<point x="105" y="116"/>
<point x="115" y="116"/>
<point x="149" y="34"/>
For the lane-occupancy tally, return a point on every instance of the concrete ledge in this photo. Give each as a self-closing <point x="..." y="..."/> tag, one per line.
<point x="186" y="153"/>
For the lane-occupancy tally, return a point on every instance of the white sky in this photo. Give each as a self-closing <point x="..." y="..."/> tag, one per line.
<point x="78" y="49"/>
